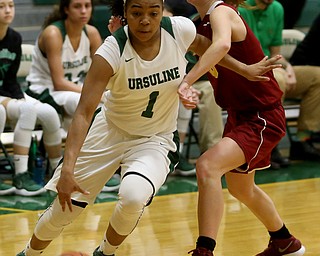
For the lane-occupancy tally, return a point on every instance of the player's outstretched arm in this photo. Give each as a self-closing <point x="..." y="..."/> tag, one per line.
<point x="252" y="72"/>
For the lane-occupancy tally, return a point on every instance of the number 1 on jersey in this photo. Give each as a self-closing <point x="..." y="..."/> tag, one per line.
<point x="152" y="100"/>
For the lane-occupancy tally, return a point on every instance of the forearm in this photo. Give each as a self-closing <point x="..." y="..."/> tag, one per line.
<point x="212" y="56"/>
<point x="76" y="136"/>
<point x="66" y="85"/>
<point x="231" y="63"/>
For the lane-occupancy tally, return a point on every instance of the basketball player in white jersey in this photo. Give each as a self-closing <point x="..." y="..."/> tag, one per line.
<point x="138" y="69"/>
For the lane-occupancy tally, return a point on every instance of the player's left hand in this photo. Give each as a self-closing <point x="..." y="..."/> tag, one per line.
<point x="256" y="71"/>
<point x="188" y="95"/>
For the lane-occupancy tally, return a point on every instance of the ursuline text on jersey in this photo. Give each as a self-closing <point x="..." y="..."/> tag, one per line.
<point x="154" y="79"/>
<point x="76" y="63"/>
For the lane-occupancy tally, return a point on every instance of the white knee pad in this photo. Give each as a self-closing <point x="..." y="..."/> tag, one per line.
<point x="72" y="103"/>
<point x="26" y="115"/>
<point x="135" y="193"/>
<point x="53" y="220"/>
<point x="50" y="122"/>
<point x="3" y="117"/>
<point x="48" y="118"/>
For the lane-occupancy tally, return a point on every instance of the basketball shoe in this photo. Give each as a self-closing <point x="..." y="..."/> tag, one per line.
<point x="279" y="247"/>
<point x="6" y="189"/>
<point x="200" y="251"/>
<point x="26" y="186"/>
<point x="98" y="253"/>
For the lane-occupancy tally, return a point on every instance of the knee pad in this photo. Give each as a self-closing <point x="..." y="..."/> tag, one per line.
<point x="72" y="103"/>
<point x="53" y="220"/>
<point x="22" y="112"/>
<point x="3" y="118"/>
<point x="135" y="193"/>
<point x="50" y="122"/>
<point x="28" y="116"/>
<point x="26" y="122"/>
<point x="48" y="118"/>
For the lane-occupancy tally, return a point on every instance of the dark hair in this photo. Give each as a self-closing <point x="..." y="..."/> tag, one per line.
<point x="167" y="7"/>
<point x="117" y="7"/>
<point x="180" y="8"/>
<point x="58" y="13"/>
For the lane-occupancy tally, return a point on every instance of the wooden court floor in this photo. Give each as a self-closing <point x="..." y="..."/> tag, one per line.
<point x="169" y="225"/>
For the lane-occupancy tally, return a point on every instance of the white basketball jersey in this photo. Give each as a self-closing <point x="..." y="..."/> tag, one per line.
<point x="142" y="95"/>
<point x="75" y="63"/>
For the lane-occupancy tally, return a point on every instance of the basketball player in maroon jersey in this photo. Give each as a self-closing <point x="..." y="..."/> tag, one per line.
<point x="255" y="125"/>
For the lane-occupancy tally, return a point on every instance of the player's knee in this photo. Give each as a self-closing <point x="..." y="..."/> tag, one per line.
<point x="28" y="116"/>
<point x="135" y="193"/>
<point x="72" y="103"/>
<point x="3" y="118"/>
<point x="133" y="203"/>
<point x="133" y="198"/>
<point x="203" y="168"/>
<point x="49" y="118"/>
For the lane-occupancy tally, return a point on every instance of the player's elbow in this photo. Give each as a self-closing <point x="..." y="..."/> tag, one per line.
<point x="224" y="47"/>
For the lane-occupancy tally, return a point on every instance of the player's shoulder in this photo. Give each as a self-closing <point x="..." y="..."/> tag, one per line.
<point x="178" y="25"/>
<point x="178" y="20"/>
<point x="91" y="30"/>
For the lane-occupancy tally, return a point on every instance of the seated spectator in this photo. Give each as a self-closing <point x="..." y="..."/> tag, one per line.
<point x="308" y="53"/>
<point x="301" y="82"/>
<point x="23" y="111"/>
<point x="5" y="189"/>
<point x="62" y="56"/>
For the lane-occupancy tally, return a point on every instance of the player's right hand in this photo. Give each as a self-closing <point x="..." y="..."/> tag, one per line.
<point x="115" y="22"/>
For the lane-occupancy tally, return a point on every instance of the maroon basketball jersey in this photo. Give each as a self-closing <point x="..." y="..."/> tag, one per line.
<point x="232" y="91"/>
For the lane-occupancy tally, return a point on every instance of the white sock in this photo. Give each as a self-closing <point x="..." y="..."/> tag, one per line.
<point x="31" y="252"/>
<point x="54" y="162"/>
<point x="106" y="247"/>
<point x="20" y="163"/>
